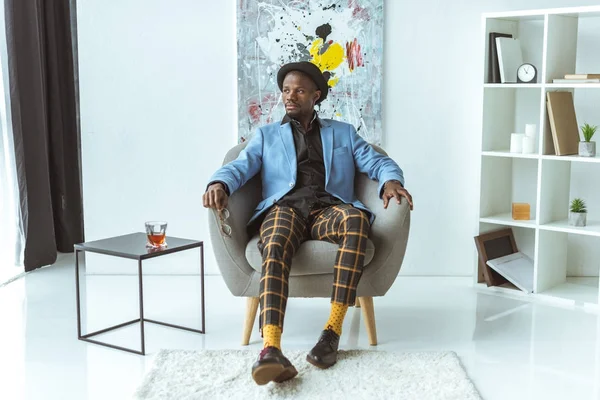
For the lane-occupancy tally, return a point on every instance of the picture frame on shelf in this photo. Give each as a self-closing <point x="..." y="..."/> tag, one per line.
<point x="491" y="245"/>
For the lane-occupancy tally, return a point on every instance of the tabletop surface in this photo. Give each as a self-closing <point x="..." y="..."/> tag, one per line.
<point x="133" y="245"/>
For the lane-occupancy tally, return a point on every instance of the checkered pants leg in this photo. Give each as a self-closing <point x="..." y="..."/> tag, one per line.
<point x="348" y="226"/>
<point x="281" y="234"/>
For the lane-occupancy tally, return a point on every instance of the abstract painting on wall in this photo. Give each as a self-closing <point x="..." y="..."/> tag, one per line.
<point x="344" y="38"/>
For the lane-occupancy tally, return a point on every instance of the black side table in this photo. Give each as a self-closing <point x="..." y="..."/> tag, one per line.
<point x="133" y="246"/>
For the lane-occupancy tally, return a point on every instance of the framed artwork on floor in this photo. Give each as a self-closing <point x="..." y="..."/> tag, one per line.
<point x="492" y="245"/>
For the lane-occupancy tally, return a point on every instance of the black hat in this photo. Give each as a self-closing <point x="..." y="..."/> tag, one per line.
<point x="309" y="69"/>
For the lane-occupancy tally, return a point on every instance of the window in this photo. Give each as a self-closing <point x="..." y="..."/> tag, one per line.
<point x="11" y="227"/>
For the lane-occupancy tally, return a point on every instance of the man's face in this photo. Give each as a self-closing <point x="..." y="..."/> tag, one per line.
<point x="299" y="94"/>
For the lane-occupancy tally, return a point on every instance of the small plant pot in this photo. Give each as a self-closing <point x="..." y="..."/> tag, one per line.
<point x="587" y="149"/>
<point x="577" y="219"/>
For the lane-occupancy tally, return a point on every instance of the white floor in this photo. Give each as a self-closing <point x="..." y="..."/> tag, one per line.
<point x="511" y="349"/>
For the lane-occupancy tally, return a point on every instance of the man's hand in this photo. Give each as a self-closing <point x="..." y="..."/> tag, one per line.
<point x="215" y="197"/>
<point x="394" y="189"/>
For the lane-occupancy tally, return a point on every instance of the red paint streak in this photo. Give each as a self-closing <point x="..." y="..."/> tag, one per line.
<point x="330" y="42"/>
<point x="261" y="110"/>
<point x="254" y="111"/>
<point x="270" y="100"/>
<point x="360" y="13"/>
<point x="354" y="55"/>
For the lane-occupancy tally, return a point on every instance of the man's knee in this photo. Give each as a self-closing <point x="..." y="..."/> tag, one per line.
<point x="355" y="220"/>
<point x="275" y="245"/>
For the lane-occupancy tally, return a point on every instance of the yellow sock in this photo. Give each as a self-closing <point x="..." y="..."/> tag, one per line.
<point x="272" y="336"/>
<point x="336" y="317"/>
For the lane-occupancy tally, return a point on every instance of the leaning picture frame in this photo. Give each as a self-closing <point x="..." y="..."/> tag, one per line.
<point x="491" y="245"/>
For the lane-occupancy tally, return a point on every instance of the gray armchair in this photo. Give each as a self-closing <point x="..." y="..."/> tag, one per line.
<point x="311" y="275"/>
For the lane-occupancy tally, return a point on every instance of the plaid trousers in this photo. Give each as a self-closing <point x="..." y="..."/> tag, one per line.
<point x="281" y="234"/>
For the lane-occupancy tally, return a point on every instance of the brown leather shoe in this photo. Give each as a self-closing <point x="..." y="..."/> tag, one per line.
<point x="272" y="366"/>
<point x="324" y="354"/>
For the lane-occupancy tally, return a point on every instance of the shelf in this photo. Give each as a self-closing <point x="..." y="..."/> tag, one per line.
<point x="558" y="42"/>
<point x="574" y="158"/>
<point x="576" y="290"/>
<point x="509" y="110"/>
<point x="534" y="15"/>
<point x="574" y="12"/>
<point x="563" y="181"/>
<point x="582" y="12"/>
<point x="504" y="181"/>
<point x="572" y="86"/>
<point x="512" y="85"/>
<point x="507" y="153"/>
<point x="592" y="228"/>
<point x="506" y="219"/>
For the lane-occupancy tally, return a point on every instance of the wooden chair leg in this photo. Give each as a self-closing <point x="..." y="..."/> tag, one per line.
<point x="251" y="308"/>
<point x="368" y="313"/>
<point x="357" y="303"/>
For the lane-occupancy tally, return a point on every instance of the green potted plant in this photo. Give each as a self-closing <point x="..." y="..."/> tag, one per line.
<point x="587" y="148"/>
<point x="577" y="212"/>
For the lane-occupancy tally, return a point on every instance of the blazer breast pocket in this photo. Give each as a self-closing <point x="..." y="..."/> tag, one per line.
<point x="341" y="150"/>
<point x="342" y="165"/>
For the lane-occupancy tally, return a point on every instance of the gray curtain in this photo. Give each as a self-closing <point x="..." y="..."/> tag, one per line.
<point x="45" y="126"/>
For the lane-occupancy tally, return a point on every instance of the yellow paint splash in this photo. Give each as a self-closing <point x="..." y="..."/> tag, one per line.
<point x="333" y="81"/>
<point x="329" y="60"/>
<point x="338" y="114"/>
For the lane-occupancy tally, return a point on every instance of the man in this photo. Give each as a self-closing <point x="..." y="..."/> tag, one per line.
<point x="307" y="166"/>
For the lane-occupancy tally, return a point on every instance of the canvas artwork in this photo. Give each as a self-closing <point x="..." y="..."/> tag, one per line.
<point x="344" y="38"/>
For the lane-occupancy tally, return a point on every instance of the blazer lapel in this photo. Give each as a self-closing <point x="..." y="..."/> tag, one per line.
<point x="327" y="139"/>
<point x="288" y="143"/>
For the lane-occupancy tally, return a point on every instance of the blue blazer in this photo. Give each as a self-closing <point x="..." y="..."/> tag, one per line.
<point x="271" y="152"/>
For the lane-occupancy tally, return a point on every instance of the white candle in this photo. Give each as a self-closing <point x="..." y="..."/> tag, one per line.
<point x="528" y="145"/>
<point x="530" y="130"/>
<point x="516" y="142"/>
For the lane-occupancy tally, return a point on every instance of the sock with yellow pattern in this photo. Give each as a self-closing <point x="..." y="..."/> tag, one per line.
<point x="336" y="317"/>
<point x="272" y="336"/>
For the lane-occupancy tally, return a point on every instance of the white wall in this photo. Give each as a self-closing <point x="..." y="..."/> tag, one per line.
<point x="433" y="100"/>
<point x="158" y="109"/>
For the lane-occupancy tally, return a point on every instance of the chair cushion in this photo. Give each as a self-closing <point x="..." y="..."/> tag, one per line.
<point x="314" y="257"/>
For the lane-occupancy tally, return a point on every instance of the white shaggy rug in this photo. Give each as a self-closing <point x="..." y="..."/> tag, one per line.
<point x="225" y="374"/>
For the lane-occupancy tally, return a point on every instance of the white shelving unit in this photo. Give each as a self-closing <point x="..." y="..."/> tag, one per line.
<point x="557" y="42"/>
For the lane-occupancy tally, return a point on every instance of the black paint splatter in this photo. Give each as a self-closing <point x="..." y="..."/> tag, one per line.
<point x="323" y="31"/>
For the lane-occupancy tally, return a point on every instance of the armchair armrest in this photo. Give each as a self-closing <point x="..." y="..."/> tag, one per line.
<point x="230" y="252"/>
<point x="389" y="233"/>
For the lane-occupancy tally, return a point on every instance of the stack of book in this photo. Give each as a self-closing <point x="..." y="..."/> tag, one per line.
<point x="579" y="78"/>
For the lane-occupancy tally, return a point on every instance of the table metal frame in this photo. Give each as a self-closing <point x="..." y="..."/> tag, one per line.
<point x="86" y="337"/>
